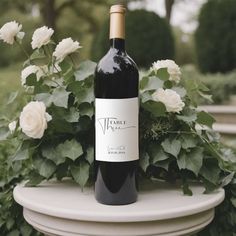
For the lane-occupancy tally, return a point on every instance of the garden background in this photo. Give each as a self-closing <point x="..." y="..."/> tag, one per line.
<point x="203" y="45"/>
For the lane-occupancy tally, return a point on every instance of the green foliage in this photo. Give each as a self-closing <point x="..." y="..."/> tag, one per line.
<point x="148" y="38"/>
<point x="215" y="39"/>
<point x="173" y="147"/>
<point x="221" y="86"/>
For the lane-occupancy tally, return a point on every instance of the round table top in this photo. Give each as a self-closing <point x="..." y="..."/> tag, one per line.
<point x="159" y="201"/>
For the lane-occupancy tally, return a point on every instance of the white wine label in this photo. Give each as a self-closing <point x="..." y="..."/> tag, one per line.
<point x="116" y="125"/>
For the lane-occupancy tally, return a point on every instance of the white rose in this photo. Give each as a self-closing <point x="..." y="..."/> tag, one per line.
<point x="64" y="48"/>
<point x="172" y="68"/>
<point x="12" y="126"/>
<point x="9" y="31"/>
<point x="170" y="99"/>
<point x="32" y="69"/>
<point x="33" y="119"/>
<point x="41" y="36"/>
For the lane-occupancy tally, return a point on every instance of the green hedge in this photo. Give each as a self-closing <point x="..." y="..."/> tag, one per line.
<point x="216" y="36"/>
<point x="148" y="38"/>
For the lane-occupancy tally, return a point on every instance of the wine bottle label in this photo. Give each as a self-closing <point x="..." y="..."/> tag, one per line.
<point x="116" y="124"/>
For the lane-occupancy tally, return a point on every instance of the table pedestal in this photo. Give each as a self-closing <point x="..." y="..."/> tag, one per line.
<point x="62" y="209"/>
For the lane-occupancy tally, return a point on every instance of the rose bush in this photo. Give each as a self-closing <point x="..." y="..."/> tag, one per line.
<point x="53" y="136"/>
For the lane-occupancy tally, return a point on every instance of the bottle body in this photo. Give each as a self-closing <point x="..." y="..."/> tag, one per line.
<point x="116" y="122"/>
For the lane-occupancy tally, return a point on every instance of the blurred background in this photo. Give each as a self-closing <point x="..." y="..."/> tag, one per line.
<point x="199" y="35"/>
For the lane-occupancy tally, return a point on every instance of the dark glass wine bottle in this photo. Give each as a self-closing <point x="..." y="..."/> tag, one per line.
<point x="116" y="119"/>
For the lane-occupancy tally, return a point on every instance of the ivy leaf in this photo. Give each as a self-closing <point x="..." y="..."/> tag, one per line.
<point x="26" y="230"/>
<point x="71" y="149"/>
<point x="80" y="173"/>
<point x="90" y="155"/>
<point x="186" y="189"/>
<point x="210" y="171"/>
<point x="4" y="133"/>
<point x="46" y="98"/>
<point x="34" y="179"/>
<point x="144" y="162"/>
<point x="156" y="153"/>
<point x="152" y="83"/>
<point x="45" y="167"/>
<point x="163" y="74"/>
<point x="12" y="97"/>
<point x="60" y="97"/>
<point x="72" y="116"/>
<point x="227" y="179"/>
<point x="181" y="91"/>
<point x="188" y="116"/>
<point x="191" y="160"/>
<point x="171" y="146"/>
<point x="14" y="233"/>
<point x="188" y="141"/>
<point x="158" y="109"/>
<point x="85" y="70"/>
<point x="86" y="109"/>
<point x="205" y="118"/>
<point x="53" y="154"/>
<point x="21" y="154"/>
<point x="163" y="164"/>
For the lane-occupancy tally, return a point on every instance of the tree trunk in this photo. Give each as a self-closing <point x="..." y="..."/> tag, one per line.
<point x="169" y="5"/>
<point x="49" y="13"/>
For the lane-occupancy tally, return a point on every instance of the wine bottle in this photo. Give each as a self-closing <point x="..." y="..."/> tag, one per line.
<point x="116" y="119"/>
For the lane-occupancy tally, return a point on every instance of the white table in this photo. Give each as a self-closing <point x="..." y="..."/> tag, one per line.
<point x="62" y="209"/>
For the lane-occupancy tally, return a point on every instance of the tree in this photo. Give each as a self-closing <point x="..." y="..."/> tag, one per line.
<point x="169" y="6"/>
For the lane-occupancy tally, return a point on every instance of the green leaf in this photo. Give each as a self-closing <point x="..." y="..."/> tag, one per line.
<point x="82" y="92"/>
<point x="90" y="155"/>
<point x="156" y="153"/>
<point x="31" y="80"/>
<point x="72" y="116"/>
<point x="164" y="164"/>
<point x="71" y="149"/>
<point x="205" y="118"/>
<point x="144" y="161"/>
<point x="191" y="160"/>
<point x="186" y="189"/>
<point x="46" y="98"/>
<point x="80" y="173"/>
<point x="4" y="133"/>
<point x="34" y="179"/>
<point x="53" y="154"/>
<point x="86" y="109"/>
<point x="14" y="233"/>
<point x="60" y="97"/>
<point x="10" y="222"/>
<point x="21" y="154"/>
<point x="44" y="167"/>
<point x="171" y="146"/>
<point x="227" y="179"/>
<point x="85" y="70"/>
<point x="189" y="116"/>
<point x="168" y="84"/>
<point x="210" y="171"/>
<point x="181" y="91"/>
<point x="163" y="74"/>
<point x="12" y="97"/>
<point x="152" y="83"/>
<point x="26" y="230"/>
<point x="188" y="141"/>
<point x="158" y="109"/>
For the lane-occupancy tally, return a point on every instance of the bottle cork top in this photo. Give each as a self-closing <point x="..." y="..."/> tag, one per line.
<point x="117" y="9"/>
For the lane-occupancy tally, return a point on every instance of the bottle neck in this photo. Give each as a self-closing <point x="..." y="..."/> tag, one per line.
<point x="117" y="27"/>
<point x="117" y="43"/>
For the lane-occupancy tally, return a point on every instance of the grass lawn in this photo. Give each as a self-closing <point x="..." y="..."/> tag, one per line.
<point x="9" y="81"/>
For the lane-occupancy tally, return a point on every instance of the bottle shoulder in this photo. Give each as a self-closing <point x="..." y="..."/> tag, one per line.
<point x="116" y="62"/>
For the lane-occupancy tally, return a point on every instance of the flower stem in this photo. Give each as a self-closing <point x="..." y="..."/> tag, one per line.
<point x="23" y="49"/>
